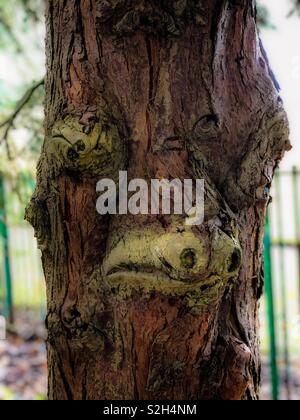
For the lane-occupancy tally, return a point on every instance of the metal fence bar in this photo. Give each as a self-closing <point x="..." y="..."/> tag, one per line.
<point x="271" y="311"/>
<point x="8" y="304"/>
<point x="287" y="376"/>
<point x="296" y="191"/>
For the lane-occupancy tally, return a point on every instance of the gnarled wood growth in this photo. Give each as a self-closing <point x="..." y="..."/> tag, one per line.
<point x="145" y="307"/>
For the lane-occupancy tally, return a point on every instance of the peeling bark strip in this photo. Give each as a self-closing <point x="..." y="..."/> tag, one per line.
<point x="143" y="307"/>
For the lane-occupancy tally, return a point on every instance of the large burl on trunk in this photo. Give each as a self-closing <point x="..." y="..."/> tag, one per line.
<point x="146" y="307"/>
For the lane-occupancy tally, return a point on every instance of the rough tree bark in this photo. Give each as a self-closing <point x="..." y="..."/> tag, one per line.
<point x="141" y="307"/>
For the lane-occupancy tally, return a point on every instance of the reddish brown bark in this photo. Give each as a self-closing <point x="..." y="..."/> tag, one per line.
<point x="186" y="90"/>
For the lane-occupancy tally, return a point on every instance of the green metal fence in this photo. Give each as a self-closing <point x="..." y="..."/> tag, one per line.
<point x="281" y="311"/>
<point x="6" y="283"/>
<point x="22" y="284"/>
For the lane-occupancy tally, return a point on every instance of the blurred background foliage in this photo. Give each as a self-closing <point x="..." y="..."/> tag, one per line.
<point x="21" y="89"/>
<point x="263" y="14"/>
<point x="296" y="7"/>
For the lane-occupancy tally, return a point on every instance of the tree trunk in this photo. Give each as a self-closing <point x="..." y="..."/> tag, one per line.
<point x="163" y="89"/>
